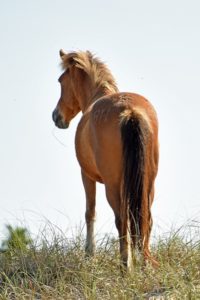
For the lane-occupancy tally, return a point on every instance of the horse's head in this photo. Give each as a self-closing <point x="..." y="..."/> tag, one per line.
<point x="84" y="80"/>
<point x="68" y="105"/>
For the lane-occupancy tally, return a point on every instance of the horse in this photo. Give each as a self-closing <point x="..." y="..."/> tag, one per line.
<point x="116" y="144"/>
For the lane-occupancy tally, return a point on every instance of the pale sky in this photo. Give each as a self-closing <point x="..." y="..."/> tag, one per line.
<point x="152" y="48"/>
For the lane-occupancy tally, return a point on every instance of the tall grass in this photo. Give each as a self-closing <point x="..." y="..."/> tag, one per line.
<point x="59" y="270"/>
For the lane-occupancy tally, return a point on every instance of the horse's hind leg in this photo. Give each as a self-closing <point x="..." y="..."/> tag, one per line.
<point x="90" y="193"/>
<point x="114" y="199"/>
<point x="147" y="223"/>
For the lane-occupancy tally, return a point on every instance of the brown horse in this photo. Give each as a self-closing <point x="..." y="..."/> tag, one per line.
<point x="116" y="144"/>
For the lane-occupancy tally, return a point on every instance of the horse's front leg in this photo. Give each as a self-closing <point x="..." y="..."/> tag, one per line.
<point x="90" y="193"/>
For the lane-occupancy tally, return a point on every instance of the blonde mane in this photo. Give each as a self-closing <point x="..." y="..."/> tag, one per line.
<point x="98" y="72"/>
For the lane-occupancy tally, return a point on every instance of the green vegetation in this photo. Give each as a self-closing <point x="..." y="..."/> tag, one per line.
<point x="18" y="240"/>
<point x="59" y="270"/>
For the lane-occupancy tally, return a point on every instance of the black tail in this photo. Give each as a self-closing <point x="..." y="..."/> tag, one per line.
<point x="133" y="132"/>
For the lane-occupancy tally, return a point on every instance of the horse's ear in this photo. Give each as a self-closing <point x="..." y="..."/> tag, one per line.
<point x="90" y="55"/>
<point x="62" y="53"/>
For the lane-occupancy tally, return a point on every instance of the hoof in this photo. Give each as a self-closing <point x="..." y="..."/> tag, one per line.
<point x="150" y="260"/>
<point x="89" y="251"/>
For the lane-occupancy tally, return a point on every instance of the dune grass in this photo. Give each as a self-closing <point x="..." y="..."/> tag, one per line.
<point x="59" y="270"/>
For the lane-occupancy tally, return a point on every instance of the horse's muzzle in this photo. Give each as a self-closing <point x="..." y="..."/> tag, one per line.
<point x="58" y="120"/>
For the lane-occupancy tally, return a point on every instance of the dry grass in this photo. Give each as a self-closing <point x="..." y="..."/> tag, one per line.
<point x="59" y="270"/>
